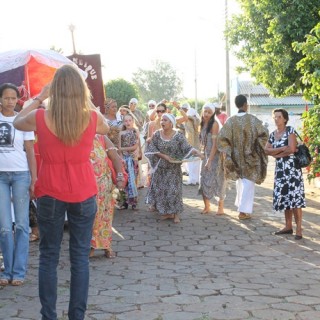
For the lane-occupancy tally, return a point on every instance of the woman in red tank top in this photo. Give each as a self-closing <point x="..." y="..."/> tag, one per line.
<point x="66" y="183"/>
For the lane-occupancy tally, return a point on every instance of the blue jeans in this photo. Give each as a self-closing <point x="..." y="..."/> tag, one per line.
<point x="14" y="245"/>
<point x="51" y="218"/>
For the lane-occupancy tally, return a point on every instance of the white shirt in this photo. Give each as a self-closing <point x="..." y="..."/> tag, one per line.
<point x="12" y="154"/>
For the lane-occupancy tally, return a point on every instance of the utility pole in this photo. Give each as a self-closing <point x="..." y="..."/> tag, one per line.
<point x="228" y="109"/>
<point x="72" y="28"/>
<point x="195" y="81"/>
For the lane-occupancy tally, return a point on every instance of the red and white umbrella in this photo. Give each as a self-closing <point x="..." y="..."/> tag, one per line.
<point x="31" y="70"/>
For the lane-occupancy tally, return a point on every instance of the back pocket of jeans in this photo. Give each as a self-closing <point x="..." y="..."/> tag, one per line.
<point x="46" y="207"/>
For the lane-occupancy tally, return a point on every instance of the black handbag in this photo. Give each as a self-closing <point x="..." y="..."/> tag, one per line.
<point x="302" y="157"/>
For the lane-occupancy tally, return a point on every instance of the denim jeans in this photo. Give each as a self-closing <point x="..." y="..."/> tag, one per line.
<point x="14" y="245"/>
<point x="51" y="218"/>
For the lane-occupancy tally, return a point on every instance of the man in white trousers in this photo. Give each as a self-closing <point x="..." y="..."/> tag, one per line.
<point x="242" y="139"/>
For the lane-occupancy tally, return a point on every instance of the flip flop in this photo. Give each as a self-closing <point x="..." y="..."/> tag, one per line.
<point x="17" y="283"/>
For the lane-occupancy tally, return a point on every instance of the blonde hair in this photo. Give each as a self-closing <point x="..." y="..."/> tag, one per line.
<point x="69" y="104"/>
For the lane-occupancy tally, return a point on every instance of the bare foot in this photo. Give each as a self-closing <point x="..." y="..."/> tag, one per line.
<point x="109" y="254"/>
<point x="166" y="216"/>
<point x="205" y="211"/>
<point x="176" y="219"/>
<point x="219" y="213"/>
<point x="220" y="208"/>
<point x="91" y="254"/>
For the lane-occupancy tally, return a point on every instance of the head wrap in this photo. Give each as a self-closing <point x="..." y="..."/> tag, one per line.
<point x="186" y="105"/>
<point x="210" y="105"/>
<point x="171" y="117"/>
<point x="133" y="100"/>
<point x="193" y="113"/>
<point x="152" y="102"/>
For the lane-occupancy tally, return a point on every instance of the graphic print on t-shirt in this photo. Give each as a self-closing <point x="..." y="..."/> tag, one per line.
<point x="7" y="132"/>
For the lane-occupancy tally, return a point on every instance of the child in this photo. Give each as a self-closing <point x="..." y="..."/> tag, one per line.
<point x="129" y="143"/>
<point x="212" y="179"/>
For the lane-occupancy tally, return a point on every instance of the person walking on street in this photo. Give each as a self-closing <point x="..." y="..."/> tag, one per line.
<point x="242" y="139"/>
<point x="212" y="176"/>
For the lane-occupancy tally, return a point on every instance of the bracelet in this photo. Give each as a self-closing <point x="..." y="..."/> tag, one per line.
<point x="111" y="148"/>
<point x="37" y="99"/>
<point x="120" y="176"/>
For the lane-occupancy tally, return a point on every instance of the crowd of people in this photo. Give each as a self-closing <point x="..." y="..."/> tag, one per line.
<point x="89" y="165"/>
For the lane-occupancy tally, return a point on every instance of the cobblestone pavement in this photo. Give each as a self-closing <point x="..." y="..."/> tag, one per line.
<point x="207" y="267"/>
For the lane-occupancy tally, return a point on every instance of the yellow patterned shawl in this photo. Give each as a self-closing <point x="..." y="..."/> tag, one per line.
<point x="242" y="139"/>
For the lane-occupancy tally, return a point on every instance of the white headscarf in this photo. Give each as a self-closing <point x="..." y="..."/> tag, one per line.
<point x="213" y="106"/>
<point x="133" y="100"/>
<point x="171" y="117"/>
<point x="193" y="113"/>
<point x="152" y="102"/>
<point x="210" y="105"/>
<point x="186" y="105"/>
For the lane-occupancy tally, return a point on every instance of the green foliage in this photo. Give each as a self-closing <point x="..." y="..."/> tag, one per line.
<point x="309" y="66"/>
<point x="121" y="90"/>
<point x="311" y="134"/>
<point x="161" y="82"/>
<point x="262" y="36"/>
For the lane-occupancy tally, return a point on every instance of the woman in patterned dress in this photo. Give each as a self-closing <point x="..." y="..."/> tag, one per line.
<point x="114" y="120"/>
<point x="129" y="143"/>
<point x="165" y="191"/>
<point x="288" y="193"/>
<point x="102" y="227"/>
<point x="212" y="177"/>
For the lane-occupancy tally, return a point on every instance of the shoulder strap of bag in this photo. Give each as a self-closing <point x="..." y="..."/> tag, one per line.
<point x="297" y="134"/>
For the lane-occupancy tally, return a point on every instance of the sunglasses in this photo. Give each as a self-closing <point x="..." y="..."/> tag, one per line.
<point x="151" y="105"/>
<point x="161" y="111"/>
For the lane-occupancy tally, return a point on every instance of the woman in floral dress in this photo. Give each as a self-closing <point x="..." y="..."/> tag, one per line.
<point x="129" y="143"/>
<point x="102" y="227"/>
<point x="166" y="146"/>
<point x="288" y="193"/>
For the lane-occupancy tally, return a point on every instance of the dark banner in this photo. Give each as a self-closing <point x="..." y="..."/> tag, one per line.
<point x="92" y="65"/>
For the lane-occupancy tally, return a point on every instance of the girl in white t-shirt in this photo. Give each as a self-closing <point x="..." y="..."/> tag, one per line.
<point x="17" y="178"/>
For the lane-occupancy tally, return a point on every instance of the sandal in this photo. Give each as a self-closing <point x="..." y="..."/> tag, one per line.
<point x="4" y="282"/>
<point x="33" y="237"/>
<point x="17" y="283"/>
<point x="244" y="216"/>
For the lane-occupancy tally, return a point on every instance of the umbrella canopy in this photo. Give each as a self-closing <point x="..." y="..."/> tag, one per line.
<point x="31" y="70"/>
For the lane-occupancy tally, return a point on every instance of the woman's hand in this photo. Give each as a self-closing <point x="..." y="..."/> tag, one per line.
<point x="44" y="94"/>
<point x="167" y="158"/>
<point x="121" y="185"/>
<point x="31" y="190"/>
<point x="207" y="166"/>
<point x="176" y="104"/>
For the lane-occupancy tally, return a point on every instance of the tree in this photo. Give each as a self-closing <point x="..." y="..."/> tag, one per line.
<point x="262" y="36"/>
<point x="159" y="83"/>
<point x="309" y="66"/>
<point x="120" y="90"/>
